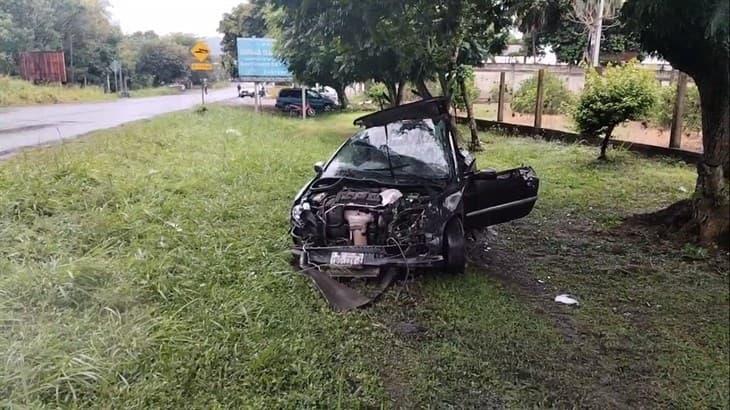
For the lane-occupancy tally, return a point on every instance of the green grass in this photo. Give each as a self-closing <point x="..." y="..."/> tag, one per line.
<point x="18" y="92"/>
<point x="147" y="266"/>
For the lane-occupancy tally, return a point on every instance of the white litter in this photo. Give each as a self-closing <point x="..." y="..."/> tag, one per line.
<point x="232" y="131"/>
<point x="567" y="300"/>
<point x="683" y="189"/>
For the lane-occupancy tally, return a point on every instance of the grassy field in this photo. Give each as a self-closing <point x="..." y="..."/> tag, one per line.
<point x="147" y="266"/>
<point x="18" y="92"/>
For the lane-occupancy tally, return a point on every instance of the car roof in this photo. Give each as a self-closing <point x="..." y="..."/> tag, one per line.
<point x="419" y="110"/>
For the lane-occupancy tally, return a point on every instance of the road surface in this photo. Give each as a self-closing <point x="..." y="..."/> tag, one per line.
<point x="37" y="125"/>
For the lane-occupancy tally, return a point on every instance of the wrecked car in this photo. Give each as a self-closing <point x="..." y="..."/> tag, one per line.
<point x="400" y="194"/>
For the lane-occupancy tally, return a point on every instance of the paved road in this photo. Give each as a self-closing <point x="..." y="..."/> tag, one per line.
<point x="36" y="125"/>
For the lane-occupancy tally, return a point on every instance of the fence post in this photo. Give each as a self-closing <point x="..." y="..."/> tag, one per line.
<point x="539" y="98"/>
<point x="500" y="98"/>
<point x="675" y="136"/>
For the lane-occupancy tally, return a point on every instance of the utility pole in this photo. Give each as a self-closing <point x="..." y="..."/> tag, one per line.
<point x="599" y="28"/>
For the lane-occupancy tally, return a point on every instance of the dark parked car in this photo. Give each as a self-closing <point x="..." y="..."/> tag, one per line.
<point x="400" y="193"/>
<point x="293" y="96"/>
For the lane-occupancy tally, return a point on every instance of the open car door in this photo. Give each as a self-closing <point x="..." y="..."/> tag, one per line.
<point x="492" y="198"/>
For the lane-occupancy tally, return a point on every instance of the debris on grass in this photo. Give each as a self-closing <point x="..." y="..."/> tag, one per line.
<point x="567" y="300"/>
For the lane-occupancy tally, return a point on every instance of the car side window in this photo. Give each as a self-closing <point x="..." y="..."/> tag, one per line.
<point x="313" y="94"/>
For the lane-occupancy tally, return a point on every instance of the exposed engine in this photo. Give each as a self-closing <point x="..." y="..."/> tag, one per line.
<point x="361" y="217"/>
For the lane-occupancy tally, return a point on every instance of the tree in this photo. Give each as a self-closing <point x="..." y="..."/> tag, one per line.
<point x="81" y="28"/>
<point x="532" y="18"/>
<point x="590" y="14"/>
<point x="622" y="93"/>
<point x="570" y="43"/>
<point x="164" y="61"/>
<point x="693" y="37"/>
<point x="245" y="20"/>
<point x="416" y="40"/>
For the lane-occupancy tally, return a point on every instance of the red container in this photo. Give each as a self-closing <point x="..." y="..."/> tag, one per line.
<point x="43" y="66"/>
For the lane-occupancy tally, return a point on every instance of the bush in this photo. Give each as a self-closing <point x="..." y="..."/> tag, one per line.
<point x="622" y="93"/>
<point x="664" y="109"/>
<point x="557" y="98"/>
<point x="494" y="94"/>
<point x="379" y="94"/>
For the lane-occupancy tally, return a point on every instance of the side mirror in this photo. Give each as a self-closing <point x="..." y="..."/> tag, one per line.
<point x="469" y="159"/>
<point x="319" y="167"/>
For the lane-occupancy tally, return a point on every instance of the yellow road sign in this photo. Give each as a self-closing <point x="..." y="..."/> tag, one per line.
<point x="201" y="67"/>
<point x="200" y="51"/>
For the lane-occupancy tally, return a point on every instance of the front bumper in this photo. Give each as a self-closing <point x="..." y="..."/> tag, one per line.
<point x="373" y="257"/>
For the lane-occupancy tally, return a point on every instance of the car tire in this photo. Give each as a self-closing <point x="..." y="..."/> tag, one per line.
<point x="454" y="246"/>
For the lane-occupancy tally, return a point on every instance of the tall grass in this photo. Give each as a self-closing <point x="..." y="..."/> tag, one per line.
<point x="147" y="266"/>
<point x="18" y="92"/>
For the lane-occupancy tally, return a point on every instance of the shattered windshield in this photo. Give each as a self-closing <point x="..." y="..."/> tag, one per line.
<point x="402" y="149"/>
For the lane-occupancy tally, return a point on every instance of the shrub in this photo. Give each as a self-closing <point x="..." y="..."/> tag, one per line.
<point x="622" y="93"/>
<point x="557" y="99"/>
<point x="379" y="94"/>
<point x="494" y="94"/>
<point x="664" y="109"/>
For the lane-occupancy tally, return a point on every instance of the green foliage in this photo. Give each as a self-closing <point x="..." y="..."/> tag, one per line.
<point x="549" y="23"/>
<point x="244" y="20"/>
<point x="557" y="98"/>
<point x="471" y="88"/>
<point x="18" y="92"/>
<point x="31" y="25"/>
<point x="623" y="93"/>
<point x="396" y="42"/>
<point x="663" y="111"/>
<point x="379" y="94"/>
<point x="164" y="61"/>
<point x="494" y="93"/>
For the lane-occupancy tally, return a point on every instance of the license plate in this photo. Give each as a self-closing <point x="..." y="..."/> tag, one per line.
<point x="346" y="258"/>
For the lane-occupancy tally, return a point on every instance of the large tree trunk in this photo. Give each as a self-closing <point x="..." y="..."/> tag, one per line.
<point x="711" y="201"/>
<point x="399" y="92"/>
<point x="342" y="96"/>
<point x="423" y="90"/>
<point x="475" y="144"/>
<point x="446" y="92"/>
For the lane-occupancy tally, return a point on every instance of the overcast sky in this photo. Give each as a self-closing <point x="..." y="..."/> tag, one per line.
<point x="168" y="16"/>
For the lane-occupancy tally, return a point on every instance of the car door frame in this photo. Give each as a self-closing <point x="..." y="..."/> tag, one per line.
<point x="492" y="197"/>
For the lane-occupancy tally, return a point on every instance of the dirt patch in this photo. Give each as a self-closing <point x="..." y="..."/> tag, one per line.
<point x="532" y="268"/>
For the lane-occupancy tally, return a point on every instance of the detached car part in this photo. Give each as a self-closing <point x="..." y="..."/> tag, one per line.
<point x="400" y="194"/>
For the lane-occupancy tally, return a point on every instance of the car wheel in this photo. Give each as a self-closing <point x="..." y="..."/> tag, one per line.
<point x="454" y="246"/>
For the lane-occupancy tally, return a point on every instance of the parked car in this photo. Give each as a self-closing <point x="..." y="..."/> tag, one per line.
<point x="251" y="93"/>
<point x="399" y="193"/>
<point x="329" y="92"/>
<point x="293" y="96"/>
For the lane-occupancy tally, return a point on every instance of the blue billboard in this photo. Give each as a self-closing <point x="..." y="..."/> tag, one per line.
<point x="257" y="62"/>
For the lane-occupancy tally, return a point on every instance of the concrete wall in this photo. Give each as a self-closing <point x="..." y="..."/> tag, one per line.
<point x="487" y="77"/>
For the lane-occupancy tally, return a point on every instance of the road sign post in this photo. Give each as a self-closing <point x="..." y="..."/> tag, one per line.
<point x="201" y="52"/>
<point x="257" y="63"/>
<point x="304" y="102"/>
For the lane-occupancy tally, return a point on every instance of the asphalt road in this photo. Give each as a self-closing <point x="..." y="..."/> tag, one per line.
<point x="38" y="125"/>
